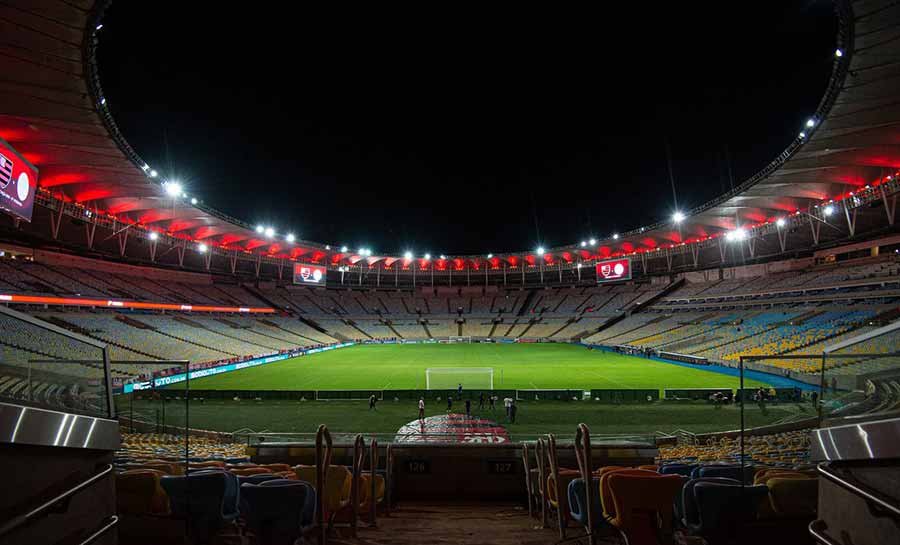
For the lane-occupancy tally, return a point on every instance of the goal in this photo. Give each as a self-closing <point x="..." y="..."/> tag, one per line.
<point x="456" y="339"/>
<point x="449" y="378"/>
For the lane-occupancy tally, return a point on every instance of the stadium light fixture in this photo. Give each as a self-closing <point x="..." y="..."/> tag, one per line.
<point x="290" y="237"/>
<point x="810" y="122"/>
<point x="443" y="256"/>
<point x="615" y="236"/>
<point x="103" y="101"/>
<point x="490" y="256"/>
<point x="146" y="167"/>
<point x="583" y="243"/>
<point x="540" y="251"/>
<point x="184" y="195"/>
<point x="344" y="249"/>
<point x="260" y="229"/>
<point x="427" y="257"/>
<point x="153" y="174"/>
<point x="270" y="232"/>
<point x="202" y="248"/>
<point x="780" y="222"/>
<point x="362" y="251"/>
<point x="153" y="235"/>
<point x="802" y="135"/>
<point x="829" y="210"/>
<point x="678" y="217"/>
<point x="193" y="200"/>
<point x="407" y="255"/>
<point x="838" y="53"/>
<point x="98" y="27"/>
<point x="592" y="241"/>
<point x="173" y="189"/>
<point x="328" y="246"/>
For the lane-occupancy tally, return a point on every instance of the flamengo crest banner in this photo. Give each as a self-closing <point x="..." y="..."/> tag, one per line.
<point x="18" y="182"/>
<point x="309" y="274"/>
<point x="614" y="270"/>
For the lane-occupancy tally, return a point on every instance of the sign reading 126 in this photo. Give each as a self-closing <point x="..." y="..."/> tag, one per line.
<point x="613" y="270"/>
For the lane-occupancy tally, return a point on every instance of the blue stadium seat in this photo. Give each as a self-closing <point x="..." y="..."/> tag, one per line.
<point x="276" y="512"/>
<point x="200" y="498"/>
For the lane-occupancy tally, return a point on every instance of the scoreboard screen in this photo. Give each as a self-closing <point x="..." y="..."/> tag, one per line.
<point x="18" y="182"/>
<point x="309" y="274"/>
<point x="614" y="270"/>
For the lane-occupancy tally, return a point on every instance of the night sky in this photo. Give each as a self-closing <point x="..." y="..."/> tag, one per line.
<point x="461" y="131"/>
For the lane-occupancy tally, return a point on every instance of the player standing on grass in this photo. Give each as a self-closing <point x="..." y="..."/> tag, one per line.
<point x="459" y="391"/>
<point x="421" y="408"/>
<point x="372" y="402"/>
<point x="449" y="403"/>
<point x="481" y="401"/>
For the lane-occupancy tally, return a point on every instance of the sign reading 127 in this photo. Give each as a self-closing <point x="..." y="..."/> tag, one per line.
<point x="613" y="270"/>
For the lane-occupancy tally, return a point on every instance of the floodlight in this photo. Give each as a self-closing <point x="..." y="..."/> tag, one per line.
<point x="829" y="210"/>
<point x="201" y="248"/>
<point x="289" y="237"/>
<point x="407" y="255"/>
<point x="780" y="222"/>
<point x="810" y="122"/>
<point x="490" y="256"/>
<point x="540" y="250"/>
<point x="270" y="232"/>
<point x="344" y="249"/>
<point x="260" y="229"/>
<point x="153" y="235"/>
<point x="592" y="241"/>
<point x="153" y="174"/>
<point x="838" y="53"/>
<point x="802" y="135"/>
<point x="193" y="200"/>
<point x="427" y="257"/>
<point x="583" y="243"/>
<point x="678" y="217"/>
<point x="615" y="236"/>
<point x="443" y="256"/>
<point x="173" y="189"/>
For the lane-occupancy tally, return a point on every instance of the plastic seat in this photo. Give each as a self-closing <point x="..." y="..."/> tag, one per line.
<point x="200" y="499"/>
<point x="566" y="476"/>
<point x="606" y="501"/>
<point x="244" y="472"/>
<point x="793" y="497"/>
<point x="578" y="503"/>
<point x="677" y="469"/>
<point x="643" y="505"/>
<point x="736" y="472"/>
<point x="723" y="508"/>
<point x="308" y="514"/>
<point x="338" y="486"/>
<point x="366" y="490"/>
<point x="138" y="492"/>
<point x="275" y="513"/>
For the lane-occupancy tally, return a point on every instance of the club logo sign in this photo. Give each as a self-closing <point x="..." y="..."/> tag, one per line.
<point x="452" y="428"/>
<point x="309" y="274"/>
<point x="616" y="269"/>
<point x="18" y="180"/>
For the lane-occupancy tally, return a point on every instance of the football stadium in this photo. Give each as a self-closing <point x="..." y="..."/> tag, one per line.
<point x="171" y="373"/>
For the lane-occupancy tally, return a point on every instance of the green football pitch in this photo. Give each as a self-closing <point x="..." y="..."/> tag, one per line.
<point x="515" y="366"/>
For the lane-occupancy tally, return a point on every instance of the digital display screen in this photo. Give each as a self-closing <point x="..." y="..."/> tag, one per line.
<point x="614" y="270"/>
<point x="18" y="182"/>
<point x="309" y="274"/>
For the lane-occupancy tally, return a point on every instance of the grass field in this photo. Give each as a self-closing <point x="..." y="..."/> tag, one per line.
<point x="533" y="417"/>
<point x="516" y="366"/>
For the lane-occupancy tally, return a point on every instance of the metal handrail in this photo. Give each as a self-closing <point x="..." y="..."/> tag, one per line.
<point x="817" y="531"/>
<point x="859" y="489"/>
<point x="21" y="520"/>
<point x="113" y="521"/>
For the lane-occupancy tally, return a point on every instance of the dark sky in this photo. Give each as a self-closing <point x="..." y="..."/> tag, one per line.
<point x="462" y="130"/>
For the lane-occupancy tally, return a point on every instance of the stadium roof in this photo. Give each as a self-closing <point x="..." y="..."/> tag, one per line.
<point x="52" y="110"/>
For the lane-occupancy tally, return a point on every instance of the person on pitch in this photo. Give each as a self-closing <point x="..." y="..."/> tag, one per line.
<point x="421" y="408"/>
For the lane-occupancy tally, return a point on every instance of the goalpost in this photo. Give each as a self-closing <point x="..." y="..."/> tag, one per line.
<point x="449" y="378"/>
<point x="456" y="339"/>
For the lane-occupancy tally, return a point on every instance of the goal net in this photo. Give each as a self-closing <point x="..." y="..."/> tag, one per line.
<point x="456" y="339"/>
<point x="449" y="378"/>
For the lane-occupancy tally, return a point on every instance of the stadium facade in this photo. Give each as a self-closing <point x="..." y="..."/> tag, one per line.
<point x="798" y="262"/>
